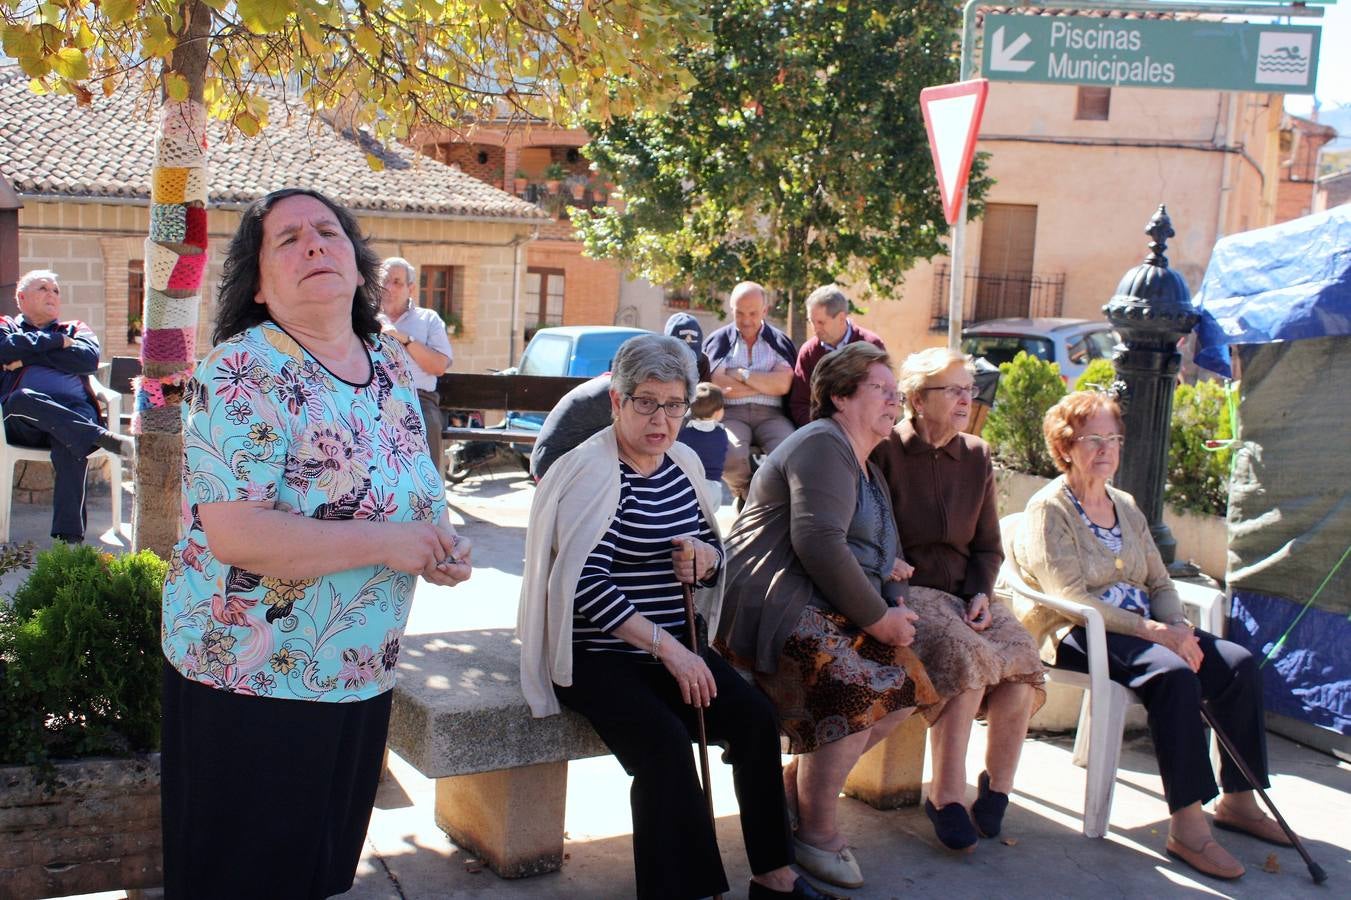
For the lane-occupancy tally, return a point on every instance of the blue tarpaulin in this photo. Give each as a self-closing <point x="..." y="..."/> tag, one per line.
<point x="1288" y="282"/>
<point x="1308" y="677"/>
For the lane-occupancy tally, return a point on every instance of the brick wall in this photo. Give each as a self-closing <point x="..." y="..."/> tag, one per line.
<point x="466" y="156"/>
<point x="590" y="287"/>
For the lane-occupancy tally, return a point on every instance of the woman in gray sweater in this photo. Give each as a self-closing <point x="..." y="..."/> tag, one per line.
<point x="1084" y="540"/>
<point x="811" y="605"/>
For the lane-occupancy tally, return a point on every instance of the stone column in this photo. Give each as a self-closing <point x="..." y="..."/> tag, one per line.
<point x="1152" y="311"/>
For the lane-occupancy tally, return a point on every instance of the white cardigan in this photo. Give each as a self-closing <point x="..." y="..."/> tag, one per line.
<point x="573" y="507"/>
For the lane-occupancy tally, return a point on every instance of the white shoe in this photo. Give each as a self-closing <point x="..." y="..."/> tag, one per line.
<point x="837" y="867"/>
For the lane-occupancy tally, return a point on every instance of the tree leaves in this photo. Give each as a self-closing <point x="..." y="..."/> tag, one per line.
<point x="391" y="66"/>
<point x="798" y="156"/>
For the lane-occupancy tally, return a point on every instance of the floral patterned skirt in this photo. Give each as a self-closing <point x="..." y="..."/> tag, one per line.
<point x="834" y="680"/>
<point x="959" y="659"/>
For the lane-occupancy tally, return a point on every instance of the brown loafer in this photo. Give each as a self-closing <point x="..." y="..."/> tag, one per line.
<point x="1211" y="859"/>
<point x="1262" y="827"/>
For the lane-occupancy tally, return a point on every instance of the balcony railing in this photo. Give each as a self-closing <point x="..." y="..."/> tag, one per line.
<point x="556" y="202"/>
<point x="997" y="296"/>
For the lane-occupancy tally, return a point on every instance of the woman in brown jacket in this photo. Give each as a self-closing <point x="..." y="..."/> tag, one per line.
<point x="1085" y="540"/>
<point x="809" y="605"/>
<point x="977" y="655"/>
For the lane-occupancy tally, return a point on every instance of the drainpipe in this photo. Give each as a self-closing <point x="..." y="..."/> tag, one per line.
<point x="1222" y="208"/>
<point x="518" y="260"/>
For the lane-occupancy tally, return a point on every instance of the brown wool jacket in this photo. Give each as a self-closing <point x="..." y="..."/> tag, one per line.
<point x="789" y="542"/>
<point x="1058" y="554"/>
<point x="946" y="510"/>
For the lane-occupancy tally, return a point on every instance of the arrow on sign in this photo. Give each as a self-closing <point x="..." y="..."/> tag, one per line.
<point x="1004" y="58"/>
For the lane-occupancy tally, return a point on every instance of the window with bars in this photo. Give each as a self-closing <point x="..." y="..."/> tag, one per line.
<point x="436" y="291"/>
<point x="1093" y="103"/>
<point x="135" y="298"/>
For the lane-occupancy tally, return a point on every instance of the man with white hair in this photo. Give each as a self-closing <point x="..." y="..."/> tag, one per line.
<point x="424" y="338"/>
<point x="45" y="366"/>
<point x="828" y="312"/>
<point x="752" y="361"/>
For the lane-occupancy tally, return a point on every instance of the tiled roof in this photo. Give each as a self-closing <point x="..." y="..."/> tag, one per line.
<point x="50" y="146"/>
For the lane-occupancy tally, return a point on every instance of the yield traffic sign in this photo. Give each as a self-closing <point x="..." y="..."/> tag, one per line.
<point x="952" y="117"/>
<point x="1160" y="53"/>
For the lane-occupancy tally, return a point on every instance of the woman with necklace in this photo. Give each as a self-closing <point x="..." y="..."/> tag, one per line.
<point x="310" y="509"/>
<point x="1083" y="539"/>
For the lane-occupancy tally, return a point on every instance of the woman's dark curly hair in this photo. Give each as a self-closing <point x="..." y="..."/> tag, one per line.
<point x="236" y="309"/>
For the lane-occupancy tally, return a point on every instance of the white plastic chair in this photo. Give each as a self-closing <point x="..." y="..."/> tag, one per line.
<point x="10" y="454"/>
<point x="1102" y="718"/>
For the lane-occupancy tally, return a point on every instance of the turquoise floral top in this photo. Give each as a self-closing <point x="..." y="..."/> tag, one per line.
<point x="263" y="420"/>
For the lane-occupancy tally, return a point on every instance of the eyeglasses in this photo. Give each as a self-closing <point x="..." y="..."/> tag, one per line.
<point x="1099" y="442"/>
<point x="887" y="393"/>
<point x="955" y="391"/>
<point x="646" y="406"/>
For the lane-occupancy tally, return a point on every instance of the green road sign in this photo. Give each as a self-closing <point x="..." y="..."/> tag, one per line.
<point x="1159" y="53"/>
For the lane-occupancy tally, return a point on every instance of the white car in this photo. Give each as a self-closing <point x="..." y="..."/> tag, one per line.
<point x="1070" y="343"/>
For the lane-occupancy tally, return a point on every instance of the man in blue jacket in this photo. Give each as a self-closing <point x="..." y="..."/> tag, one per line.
<point x="752" y="361"/>
<point x="45" y="366"/>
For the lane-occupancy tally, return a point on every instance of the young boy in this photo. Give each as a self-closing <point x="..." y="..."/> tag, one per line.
<point x="705" y="434"/>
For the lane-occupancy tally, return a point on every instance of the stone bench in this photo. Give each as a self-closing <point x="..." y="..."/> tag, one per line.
<point x="502" y="776"/>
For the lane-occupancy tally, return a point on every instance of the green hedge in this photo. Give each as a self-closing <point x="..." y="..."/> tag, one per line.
<point x="79" y="657"/>
<point x="1197" y="480"/>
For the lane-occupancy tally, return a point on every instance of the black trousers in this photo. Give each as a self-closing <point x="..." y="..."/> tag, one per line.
<point x="635" y="706"/>
<point x="264" y="797"/>
<point x="430" y="404"/>
<point x="34" y="419"/>
<point x="1172" y="693"/>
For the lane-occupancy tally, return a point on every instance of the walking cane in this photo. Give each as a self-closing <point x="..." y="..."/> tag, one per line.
<point x="693" y="639"/>
<point x="1315" y="870"/>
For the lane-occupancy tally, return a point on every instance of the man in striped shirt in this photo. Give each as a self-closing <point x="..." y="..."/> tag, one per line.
<point x="753" y="364"/>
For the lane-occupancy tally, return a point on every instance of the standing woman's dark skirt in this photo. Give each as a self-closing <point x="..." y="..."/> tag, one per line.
<point x="264" y="797"/>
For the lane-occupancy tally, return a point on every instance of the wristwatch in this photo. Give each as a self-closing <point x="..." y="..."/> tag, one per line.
<point x="408" y="341"/>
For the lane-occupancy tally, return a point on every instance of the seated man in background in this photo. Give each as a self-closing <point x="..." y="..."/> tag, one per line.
<point x="828" y="312"/>
<point x="46" y="397"/>
<point x="753" y="364"/>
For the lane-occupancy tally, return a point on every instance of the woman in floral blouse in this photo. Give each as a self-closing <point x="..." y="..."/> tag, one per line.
<point x="310" y="508"/>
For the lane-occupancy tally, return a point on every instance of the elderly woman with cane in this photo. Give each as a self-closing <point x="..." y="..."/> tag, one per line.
<point x="812" y="607"/>
<point x="1085" y="540"/>
<point x="310" y="509"/>
<point x="618" y="525"/>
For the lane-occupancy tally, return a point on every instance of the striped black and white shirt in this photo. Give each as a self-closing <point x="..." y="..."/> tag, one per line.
<point x="630" y="570"/>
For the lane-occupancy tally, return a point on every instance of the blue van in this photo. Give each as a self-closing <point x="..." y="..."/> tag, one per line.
<point x="576" y="351"/>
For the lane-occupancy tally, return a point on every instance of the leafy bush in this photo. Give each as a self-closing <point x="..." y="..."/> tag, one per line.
<point x="79" y="657"/>
<point x="1100" y="372"/>
<point x="1028" y="386"/>
<point x="1197" y="478"/>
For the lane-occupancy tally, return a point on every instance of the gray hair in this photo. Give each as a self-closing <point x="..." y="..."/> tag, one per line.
<point x="28" y="278"/>
<point x="919" y="367"/>
<point x="746" y="287"/>
<point x="652" y="357"/>
<point x="397" y="262"/>
<point x="829" y="296"/>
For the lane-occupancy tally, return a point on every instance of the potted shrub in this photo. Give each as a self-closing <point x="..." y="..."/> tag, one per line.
<point x="577" y="186"/>
<point x="80" y="671"/>
<point x="554" y="174"/>
<point x="453" y="325"/>
<point x="134" y="331"/>
<point x="522" y="181"/>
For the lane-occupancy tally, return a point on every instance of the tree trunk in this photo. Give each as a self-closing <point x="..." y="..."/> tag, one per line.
<point x="175" y="268"/>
